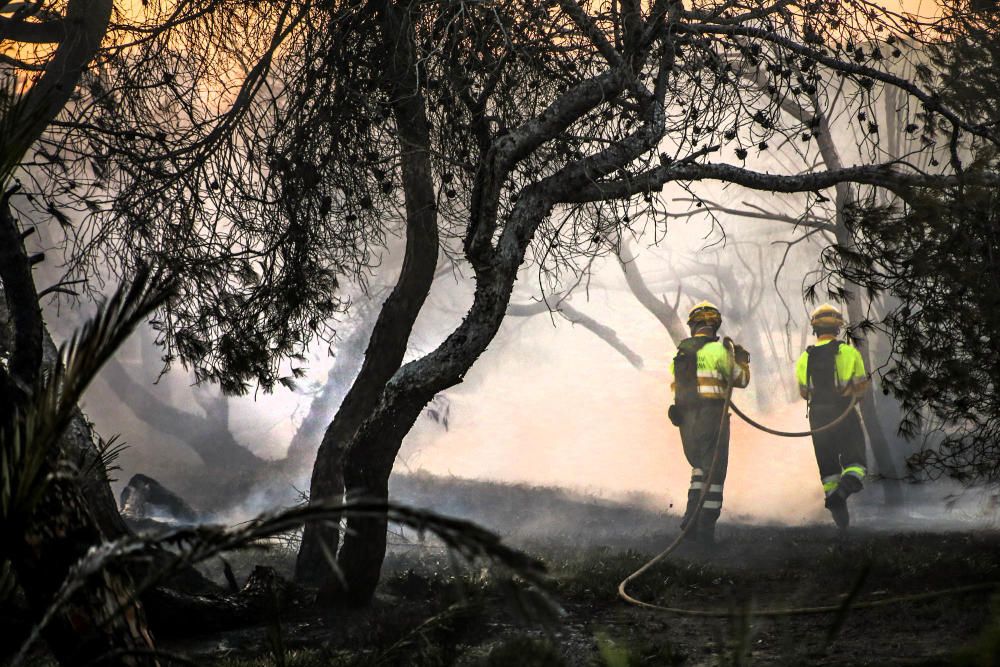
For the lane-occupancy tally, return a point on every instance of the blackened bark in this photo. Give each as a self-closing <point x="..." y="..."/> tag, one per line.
<point x="177" y="613"/>
<point x="367" y="468"/>
<point x="391" y="333"/>
<point x="61" y="528"/>
<point x="19" y="312"/>
<point x="25" y="316"/>
<point x="78" y="446"/>
<point x="102" y="617"/>
<point x="373" y="449"/>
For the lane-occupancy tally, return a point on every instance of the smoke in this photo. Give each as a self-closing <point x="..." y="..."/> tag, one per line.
<point x="549" y="403"/>
<point x="557" y="406"/>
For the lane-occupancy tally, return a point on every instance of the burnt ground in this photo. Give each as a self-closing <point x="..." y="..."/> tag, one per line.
<point x="433" y="611"/>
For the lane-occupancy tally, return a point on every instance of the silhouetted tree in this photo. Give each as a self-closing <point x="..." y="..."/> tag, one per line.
<point x="934" y="255"/>
<point x="54" y="507"/>
<point x="514" y="130"/>
<point x="565" y="163"/>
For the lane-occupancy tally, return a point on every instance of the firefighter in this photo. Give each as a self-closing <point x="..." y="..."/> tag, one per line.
<point x="831" y="373"/>
<point x="702" y="370"/>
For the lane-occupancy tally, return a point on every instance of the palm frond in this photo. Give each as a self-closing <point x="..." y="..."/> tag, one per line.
<point x="191" y="545"/>
<point x="27" y="444"/>
<point x="106" y="459"/>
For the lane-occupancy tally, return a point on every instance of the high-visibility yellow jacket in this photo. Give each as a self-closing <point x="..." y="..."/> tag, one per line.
<point x="714" y="366"/>
<point x="850" y="376"/>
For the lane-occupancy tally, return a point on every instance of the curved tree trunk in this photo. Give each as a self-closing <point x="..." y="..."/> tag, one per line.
<point x="79" y="34"/>
<point x="373" y="451"/>
<point x="574" y="316"/>
<point x="666" y="315"/>
<point x="32" y="349"/>
<point x="391" y="334"/>
<point x="208" y="436"/>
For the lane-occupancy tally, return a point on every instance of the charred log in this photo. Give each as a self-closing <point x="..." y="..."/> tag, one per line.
<point x="145" y="498"/>
<point x="173" y="612"/>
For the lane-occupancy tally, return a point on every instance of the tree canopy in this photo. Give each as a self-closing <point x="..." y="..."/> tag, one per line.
<point x="265" y="152"/>
<point x="252" y="146"/>
<point x="931" y="259"/>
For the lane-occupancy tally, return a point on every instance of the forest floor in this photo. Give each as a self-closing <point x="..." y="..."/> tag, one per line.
<point x="431" y="610"/>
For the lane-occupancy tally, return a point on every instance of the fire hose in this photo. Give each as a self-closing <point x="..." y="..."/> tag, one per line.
<point x="774" y="611"/>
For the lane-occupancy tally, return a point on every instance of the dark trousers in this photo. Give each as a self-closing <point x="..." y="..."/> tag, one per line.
<point x="699" y="434"/>
<point x="840" y="451"/>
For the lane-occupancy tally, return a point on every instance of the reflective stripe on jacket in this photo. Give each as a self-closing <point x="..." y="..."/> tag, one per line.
<point x="850" y="369"/>
<point x="714" y="366"/>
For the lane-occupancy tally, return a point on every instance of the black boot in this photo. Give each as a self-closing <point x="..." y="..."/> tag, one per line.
<point x="849" y="484"/>
<point x="692" y="506"/>
<point x="836" y="502"/>
<point x="706" y="529"/>
<point x="692" y="534"/>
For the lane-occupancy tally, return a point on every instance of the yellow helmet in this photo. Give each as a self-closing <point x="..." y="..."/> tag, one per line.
<point x="705" y="313"/>
<point x="827" y="317"/>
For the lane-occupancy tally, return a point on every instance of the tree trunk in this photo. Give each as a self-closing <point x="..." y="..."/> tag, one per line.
<point x="873" y="424"/>
<point x="661" y="311"/>
<point x="495" y="261"/>
<point x="887" y="467"/>
<point x="31" y="349"/>
<point x="368" y="466"/>
<point x="391" y="333"/>
<point x="346" y="366"/>
<point x="82" y="29"/>
<point x="78" y="445"/>
<point x="101" y="618"/>
<point x="672" y="322"/>
<point x="574" y="316"/>
<point x="372" y="452"/>
<point x="208" y="436"/>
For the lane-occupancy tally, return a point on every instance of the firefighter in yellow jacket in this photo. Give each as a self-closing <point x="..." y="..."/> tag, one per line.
<point x="702" y="370"/>
<point x="830" y="373"/>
